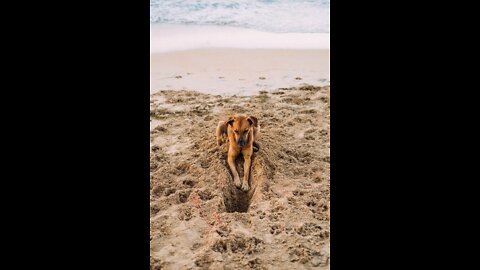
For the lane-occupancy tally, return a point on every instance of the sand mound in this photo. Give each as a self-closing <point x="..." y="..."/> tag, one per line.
<point x="200" y="220"/>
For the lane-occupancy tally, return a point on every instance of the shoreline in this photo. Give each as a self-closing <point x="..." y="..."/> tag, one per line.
<point x="171" y="37"/>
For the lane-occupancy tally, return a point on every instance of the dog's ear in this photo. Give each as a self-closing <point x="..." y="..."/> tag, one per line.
<point x="253" y="120"/>
<point x="230" y="120"/>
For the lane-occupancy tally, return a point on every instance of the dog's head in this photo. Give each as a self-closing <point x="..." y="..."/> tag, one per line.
<point x="242" y="125"/>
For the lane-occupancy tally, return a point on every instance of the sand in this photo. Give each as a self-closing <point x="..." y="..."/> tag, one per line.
<point x="200" y="220"/>
<point x="232" y="71"/>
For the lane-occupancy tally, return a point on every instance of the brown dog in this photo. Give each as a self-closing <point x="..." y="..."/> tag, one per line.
<point x="242" y="131"/>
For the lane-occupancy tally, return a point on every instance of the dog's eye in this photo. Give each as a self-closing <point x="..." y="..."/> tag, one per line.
<point x="236" y="130"/>
<point x="246" y="130"/>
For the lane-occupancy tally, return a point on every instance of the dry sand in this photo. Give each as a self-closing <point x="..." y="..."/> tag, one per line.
<point x="200" y="220"/>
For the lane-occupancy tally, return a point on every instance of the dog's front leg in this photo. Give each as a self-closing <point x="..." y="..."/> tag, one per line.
<point x="232" y="154"/>
<point x="247" y="155"/>
<point x="246" y="171"/>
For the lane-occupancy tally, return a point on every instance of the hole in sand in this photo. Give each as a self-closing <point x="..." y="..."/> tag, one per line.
<point x="235" y="199"/>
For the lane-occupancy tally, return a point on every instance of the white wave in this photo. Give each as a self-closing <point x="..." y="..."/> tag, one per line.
<point x="308" y="16"/>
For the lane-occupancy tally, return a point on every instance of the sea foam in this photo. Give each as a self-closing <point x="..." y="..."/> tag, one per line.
<point x="278" y="16"/>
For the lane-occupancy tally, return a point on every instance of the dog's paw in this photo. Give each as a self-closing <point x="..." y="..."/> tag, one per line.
<point x="237" y="182"/>
<point x="245" y="187"/>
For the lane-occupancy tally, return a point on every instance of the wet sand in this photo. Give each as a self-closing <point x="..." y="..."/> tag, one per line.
<point x="238" y="71"/>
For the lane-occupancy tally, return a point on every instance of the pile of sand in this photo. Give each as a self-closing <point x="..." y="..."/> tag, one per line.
<point x="200" y="220"/>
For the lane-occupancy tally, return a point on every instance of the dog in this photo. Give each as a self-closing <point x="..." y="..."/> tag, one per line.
<point x="242" y="132"/>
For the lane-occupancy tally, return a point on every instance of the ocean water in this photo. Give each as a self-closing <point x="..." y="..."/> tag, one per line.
<point x="274" y="16"/>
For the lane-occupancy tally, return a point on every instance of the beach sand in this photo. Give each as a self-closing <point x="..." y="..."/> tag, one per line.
<point x="238" y="71"/>
<point x="198" y="218"/>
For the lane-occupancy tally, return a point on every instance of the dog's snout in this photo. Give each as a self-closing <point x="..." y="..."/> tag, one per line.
<point x="241" y="143"/>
